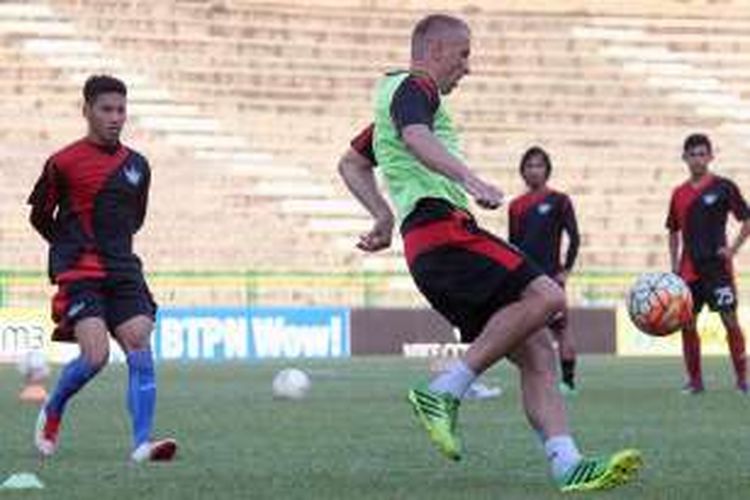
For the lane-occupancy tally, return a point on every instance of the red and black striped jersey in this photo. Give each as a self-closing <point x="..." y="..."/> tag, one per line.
<point x="536" y="222"/>
<point x="700" y="212"/>
<point x="88" y="203"/>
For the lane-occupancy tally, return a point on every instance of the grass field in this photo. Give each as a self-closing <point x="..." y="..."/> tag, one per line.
<point x="355" y="438"/>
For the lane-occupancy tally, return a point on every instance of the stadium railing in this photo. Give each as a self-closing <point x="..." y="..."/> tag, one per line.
<point x="302" y="288"/>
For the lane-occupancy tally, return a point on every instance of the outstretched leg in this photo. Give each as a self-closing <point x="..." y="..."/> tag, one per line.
<point x="91" y="334"/>
<point x="545" y="410"/>
<point x="437" y="404"/>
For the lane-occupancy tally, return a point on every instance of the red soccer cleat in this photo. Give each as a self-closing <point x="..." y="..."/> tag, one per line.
<point x="46" y="433"/>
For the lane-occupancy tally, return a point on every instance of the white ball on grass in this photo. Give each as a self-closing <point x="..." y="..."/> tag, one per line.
<point x="291" y="383"/>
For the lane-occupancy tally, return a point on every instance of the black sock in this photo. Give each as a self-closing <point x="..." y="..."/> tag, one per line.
<point x="568" y="371"/>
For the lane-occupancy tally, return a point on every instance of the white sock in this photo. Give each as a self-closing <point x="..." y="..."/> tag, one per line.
<point x="455" y="380"/>
<point x="562" y="454"/>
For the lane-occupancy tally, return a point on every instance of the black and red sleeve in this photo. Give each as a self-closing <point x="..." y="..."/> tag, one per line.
<point x="44" y="199"/>
<point x="570" y="225"/>
<point x="737" y="204"/>
<point x="362" y="143"/>
<point x="415" y="102"/>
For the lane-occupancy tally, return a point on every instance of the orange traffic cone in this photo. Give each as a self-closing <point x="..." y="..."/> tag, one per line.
<point x="33" y="393"/>
<point x="33" y="388"/>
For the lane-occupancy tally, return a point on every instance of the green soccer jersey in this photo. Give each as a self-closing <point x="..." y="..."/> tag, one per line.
<point x="407" y="179"/>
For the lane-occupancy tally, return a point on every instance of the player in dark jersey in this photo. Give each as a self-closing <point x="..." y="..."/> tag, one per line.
<point x="698" y="212"/>
<point x="87" y="204"/>
<point x="537" y="220"/>
<point x="484" y="286"/>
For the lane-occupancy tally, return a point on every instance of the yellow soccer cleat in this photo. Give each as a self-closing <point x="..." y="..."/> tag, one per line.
<point x="438" y="414"/>
<point x="602" y="473"/>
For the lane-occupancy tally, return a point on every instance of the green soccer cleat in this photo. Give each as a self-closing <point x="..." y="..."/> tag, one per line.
<point x="438" y="413"/>
<point x="602" y="473"/>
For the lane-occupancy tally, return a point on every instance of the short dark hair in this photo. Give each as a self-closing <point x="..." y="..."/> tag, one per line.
<point x="536" y="151"/>
<point x="696" y="140"/>
<point x="430" y="26"/>
<point x="97" y="85"/>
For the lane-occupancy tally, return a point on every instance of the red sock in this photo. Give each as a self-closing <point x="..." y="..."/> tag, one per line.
<point x="736" y="342"/>
<point x="691" y="351"/>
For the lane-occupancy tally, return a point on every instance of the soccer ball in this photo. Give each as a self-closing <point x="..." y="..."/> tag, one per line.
<point x="291" y="383"/>
<point x="660" y="303"/>
<point x="33" y="365"/>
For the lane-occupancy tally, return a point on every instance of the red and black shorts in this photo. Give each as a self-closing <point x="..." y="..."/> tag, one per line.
<point x="714" y="286"/>
<point x="466" y="273"/>
<point x="115" y="300"/>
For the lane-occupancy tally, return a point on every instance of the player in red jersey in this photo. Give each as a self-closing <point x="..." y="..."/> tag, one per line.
<point x="699" y="253"/>
<point x="87" y="204"/>
<point x="538" y="219"/>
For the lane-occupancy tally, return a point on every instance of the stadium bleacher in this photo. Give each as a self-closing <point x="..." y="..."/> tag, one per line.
<point x="244" y="108"/>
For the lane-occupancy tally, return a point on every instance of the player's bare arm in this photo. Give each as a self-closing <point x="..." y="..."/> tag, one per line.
<point x="730" y="251"/>
<point x="570" y="226"/>
<point x="358" y="174"/>
<point x="431" y="152"/>
<point x="674" y="250"/>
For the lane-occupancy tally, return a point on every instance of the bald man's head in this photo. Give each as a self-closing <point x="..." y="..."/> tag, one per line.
<point x="435" y="27"/>
<point x="440" y="46"/>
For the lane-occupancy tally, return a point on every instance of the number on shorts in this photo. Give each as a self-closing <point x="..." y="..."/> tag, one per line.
<point x="724" y="296"/>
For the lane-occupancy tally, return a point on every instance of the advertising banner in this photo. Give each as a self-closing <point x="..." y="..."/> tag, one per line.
<point x="423" y="332"/>
<point x="633" y="342"/>
<point x="27" y="329"/>
<point x="251" y="333"/>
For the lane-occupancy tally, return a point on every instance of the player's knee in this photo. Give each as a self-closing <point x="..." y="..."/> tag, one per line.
<point x="97" y="355"/>
<point x="547" y="296"/>
<point x="135" y="334"/>
<point x="93" y="341"/>
<point x="136" y="341"/>
<point x="552" y="299"/>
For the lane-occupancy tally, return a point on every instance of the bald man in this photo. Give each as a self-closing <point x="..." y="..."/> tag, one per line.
<point x="488" y="289"/>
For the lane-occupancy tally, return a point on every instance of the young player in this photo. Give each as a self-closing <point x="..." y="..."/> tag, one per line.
<point x="88" y="202"/>
<point x="538" y="219"/>
<point x="489" y="290"/>
<point x="698" y="212"/>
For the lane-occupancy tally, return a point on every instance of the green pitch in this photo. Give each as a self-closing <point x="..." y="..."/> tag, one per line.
<point x="355" y="436"/>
